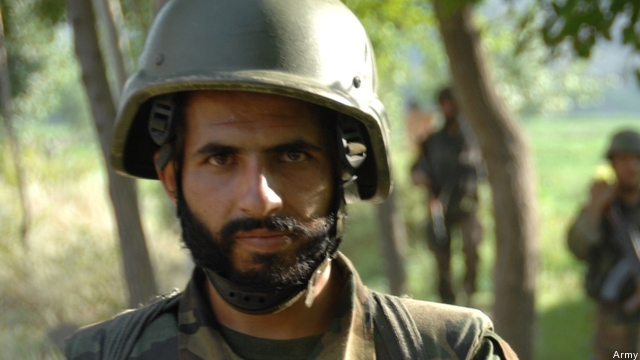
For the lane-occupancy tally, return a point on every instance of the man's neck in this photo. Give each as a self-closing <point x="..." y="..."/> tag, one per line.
<point x="296" y="321"/>
<point x="452" y="126"/>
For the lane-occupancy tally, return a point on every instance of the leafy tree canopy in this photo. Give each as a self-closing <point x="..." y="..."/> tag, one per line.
<point x="582" y="22"/>
<point x="413" y="64"/>
<point x="38" y="48"/>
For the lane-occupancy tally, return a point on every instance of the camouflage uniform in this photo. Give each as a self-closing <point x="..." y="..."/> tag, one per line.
<point x="615" y="329"/>
<point x="453" y="164"/>
<point x="183" y="327"/>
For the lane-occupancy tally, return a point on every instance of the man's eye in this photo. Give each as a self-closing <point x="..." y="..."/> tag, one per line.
<point x="219" y="159"/>
<point x="293" y="156"/>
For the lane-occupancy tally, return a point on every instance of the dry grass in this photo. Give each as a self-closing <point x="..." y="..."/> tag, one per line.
<point x="70" y="272"/>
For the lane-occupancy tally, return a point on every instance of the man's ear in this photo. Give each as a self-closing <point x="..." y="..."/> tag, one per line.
<point x="167" y="177"/>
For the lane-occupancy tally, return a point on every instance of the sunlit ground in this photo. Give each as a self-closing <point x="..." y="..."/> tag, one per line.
<point x="69" y="271"/>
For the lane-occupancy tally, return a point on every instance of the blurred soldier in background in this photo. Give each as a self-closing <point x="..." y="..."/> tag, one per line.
<point x="261" y="120"/>
<point x="449" y="167"/>
<point x="419" y="124"/>
<point x="606" y="236"/>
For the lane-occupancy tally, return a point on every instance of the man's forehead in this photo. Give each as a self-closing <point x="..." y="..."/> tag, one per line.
<point x="624" y="156"/>
<point x="247" y="112"/>
<point x="243" y="101"/>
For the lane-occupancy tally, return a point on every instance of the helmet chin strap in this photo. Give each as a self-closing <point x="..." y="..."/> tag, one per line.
<point x="254" y="302"/>
<point x="270" y="301"/>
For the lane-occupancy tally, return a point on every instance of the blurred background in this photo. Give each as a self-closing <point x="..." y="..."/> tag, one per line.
<point x="61" y="258"/>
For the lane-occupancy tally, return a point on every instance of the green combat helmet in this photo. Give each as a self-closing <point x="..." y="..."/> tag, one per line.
<point x="624" y="141"/>
<point x="312" y="50"/>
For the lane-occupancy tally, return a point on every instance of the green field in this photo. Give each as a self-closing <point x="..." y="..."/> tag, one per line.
<point x="70" y="272"/>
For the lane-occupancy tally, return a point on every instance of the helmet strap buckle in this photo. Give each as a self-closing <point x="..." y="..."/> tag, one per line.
<point x="353" y="153"/>
<point x="162" y="127"/>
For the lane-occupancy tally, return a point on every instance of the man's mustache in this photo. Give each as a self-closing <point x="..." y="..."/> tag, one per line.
<point x="273" y="223"/>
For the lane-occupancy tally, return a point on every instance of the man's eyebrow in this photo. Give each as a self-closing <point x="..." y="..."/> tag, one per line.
<point x="295" y="145"/>
<point x="216" y="148"/>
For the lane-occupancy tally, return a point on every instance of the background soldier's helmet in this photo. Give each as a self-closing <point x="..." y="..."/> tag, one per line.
<point x="313" y="50"/>
<point x="624" y="141"/>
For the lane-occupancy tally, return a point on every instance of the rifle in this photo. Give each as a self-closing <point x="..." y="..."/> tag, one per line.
<point x="437" y="216"/>
<point x="437" y="219"/>
<point x="627" y="237"/>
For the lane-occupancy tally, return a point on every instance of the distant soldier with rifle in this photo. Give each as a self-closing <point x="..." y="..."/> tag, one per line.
<point x="606" y="236"/>
<point x="449" y="167"/>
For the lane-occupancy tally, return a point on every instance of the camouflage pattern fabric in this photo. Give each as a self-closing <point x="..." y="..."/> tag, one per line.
<point x="188" y="330"/>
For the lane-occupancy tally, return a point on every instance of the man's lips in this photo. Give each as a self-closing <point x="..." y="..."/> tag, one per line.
<point x="263" y="240"/>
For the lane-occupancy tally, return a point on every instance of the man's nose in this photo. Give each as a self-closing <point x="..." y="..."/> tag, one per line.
<point x="257" y="199"/>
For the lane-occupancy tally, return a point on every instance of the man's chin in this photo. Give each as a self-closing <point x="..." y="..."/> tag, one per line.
<point x="250" y="270"/>
<point x="267" y="270"/>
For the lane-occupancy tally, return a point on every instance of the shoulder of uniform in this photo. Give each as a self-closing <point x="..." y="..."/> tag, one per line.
<point x="87" y="342"/>
<point x="97" y="341"/>
<point x="459" y="332"/>
<point x="437" y="315"/>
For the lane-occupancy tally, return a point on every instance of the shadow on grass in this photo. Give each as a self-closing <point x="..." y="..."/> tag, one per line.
<point x="566" y="330"/>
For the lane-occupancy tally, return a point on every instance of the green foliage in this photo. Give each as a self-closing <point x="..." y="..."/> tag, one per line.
<point x="396" y="29"/>
<point x="19" y="65"/>
<point x="138" y="16"/>
<point x="41" y="62"/>
<point x="581" y="22"/>
<point x="413" y="66"/>
<point x="51" y="12"/>
<point x="530" y="82"/>
<point x="22" y="36"/>
<point x="449" y="7"/>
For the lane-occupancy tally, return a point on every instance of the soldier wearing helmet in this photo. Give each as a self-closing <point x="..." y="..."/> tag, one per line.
<point x="606" y="235"/>
<point x="261" y="120"/>
<point x="450" y="166"/>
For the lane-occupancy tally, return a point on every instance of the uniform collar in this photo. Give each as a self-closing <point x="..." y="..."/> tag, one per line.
<point x="350" y="335"/>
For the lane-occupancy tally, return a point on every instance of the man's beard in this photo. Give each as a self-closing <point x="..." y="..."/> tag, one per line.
<point x="215" y="252"/>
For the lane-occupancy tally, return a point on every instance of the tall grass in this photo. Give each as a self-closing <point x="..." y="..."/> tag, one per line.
<point x="71" y="270"/>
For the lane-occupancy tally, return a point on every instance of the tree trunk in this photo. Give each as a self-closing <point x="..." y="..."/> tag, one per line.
<point x="393" y="243"/>
<point x="137" y="267"/>
<point x="511" y="177"/>
<point x="112" y="42"/>
<point x="123" y="39"/>
<point x="16" y="153"/>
